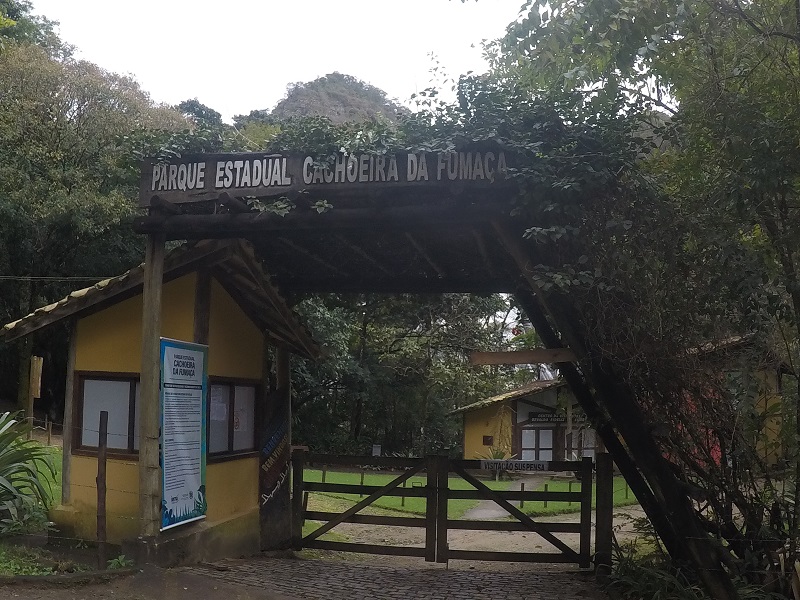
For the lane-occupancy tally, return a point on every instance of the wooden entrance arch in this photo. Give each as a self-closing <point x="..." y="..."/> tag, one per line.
<point x="412" y="223"/>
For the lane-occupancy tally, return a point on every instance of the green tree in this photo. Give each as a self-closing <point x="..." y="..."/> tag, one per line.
<point x="65" y="182"/>
<point x="711" y="91"/>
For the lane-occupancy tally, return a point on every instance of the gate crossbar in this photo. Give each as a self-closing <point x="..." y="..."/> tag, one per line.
<point x="395" y="483"/>
<point x="514" y="511"/>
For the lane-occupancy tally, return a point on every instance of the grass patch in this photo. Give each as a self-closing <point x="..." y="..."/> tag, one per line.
<point x="53" y="479"/>
<point x="18" y="560"/>
<point x="416" y="506"/>
<point x="622" y="497"/>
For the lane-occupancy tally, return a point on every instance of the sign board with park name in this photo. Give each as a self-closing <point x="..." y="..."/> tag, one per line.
<point x="203" y="177"/>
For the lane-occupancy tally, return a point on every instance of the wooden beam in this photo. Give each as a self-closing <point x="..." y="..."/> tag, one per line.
<point x="482" y="250"/>
<point x="149" y="469"/>
<point x="523" y="357"/>
<point x="363" y="254"/>
<point x="424" y="254"/>
<point x="165" y="206"/>
<point x="234" y="205"/>
<point x="395" y="285"/>
<point x="312" y="256"/>
<point x="401" y="218"/>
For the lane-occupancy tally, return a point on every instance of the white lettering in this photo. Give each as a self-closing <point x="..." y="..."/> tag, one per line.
<point x="308" y="171"/>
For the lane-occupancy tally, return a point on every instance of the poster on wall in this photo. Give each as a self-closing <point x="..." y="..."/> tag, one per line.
<point x="184" y="393"/>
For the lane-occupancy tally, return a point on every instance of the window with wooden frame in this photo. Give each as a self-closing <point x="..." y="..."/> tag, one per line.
<point x="116" y="393"/>
<point x="231" y="418"/>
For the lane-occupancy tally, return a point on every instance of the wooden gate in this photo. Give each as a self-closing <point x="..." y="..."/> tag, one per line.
<point x="438" y="494"/>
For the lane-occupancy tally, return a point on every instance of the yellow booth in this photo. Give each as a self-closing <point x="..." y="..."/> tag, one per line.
<point x="214" y="293"/>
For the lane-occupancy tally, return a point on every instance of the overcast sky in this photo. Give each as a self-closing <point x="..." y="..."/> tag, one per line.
<point x="238" y="55"/>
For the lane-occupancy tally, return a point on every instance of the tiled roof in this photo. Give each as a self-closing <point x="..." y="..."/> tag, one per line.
<point x="529" y="389"/>
<point x="233" y="262"/>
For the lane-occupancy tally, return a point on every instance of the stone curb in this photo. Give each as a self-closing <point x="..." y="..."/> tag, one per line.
<point x="69" y="578"/>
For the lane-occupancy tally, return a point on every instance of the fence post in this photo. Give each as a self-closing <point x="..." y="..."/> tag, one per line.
<point x="522" y="497"/>
<point x="604" y="515"/>
<point x="431" y="466"/>
<point x="586" y="513"/>
<point x="298" y="512"/>
<point x="102" y="446"/>
<point x="442" y="478"/>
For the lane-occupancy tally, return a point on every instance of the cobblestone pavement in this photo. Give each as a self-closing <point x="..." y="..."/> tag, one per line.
<point x="332" y="579"/>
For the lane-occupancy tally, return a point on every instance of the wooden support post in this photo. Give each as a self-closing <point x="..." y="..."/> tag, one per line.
<point x="586" y="513"/>
<point x="102" y="447"/>
<point x="403" y="498"/>
<point x="361" y="495"/>
<point x="149" y="467"/>
<point x="431" y="466"/>
<point x="49" y="432"/>
<point x="546" y="489"/>
<point x="604" y="515"/>
<point x="324" y="472"/>
<point x="69" y="404"/>
<point x="298" y="508"/>
<point x="522" y="498"/>
<point x="275" y="513"/>
<point x="442" y="479"/>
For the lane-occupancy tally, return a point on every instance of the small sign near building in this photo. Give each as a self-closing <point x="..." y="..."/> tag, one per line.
<point x="183" y="432"/>
<point x="516" y="466"/>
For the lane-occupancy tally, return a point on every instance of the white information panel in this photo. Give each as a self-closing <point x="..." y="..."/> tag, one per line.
<point x="183" y="432"/>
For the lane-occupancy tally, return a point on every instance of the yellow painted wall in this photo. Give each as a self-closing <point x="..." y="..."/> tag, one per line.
<point x="110" y="340"/>
<point x="232" y="488"/>
<point x="236" y="345"/>
<point x="492" y="420"/>
<point x="122" y="498"/>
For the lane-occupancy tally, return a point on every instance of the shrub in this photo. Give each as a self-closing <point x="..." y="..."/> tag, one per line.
<point x="23" y="493"/>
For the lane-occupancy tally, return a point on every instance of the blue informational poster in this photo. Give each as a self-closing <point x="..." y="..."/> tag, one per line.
<point x="184" y="393"/>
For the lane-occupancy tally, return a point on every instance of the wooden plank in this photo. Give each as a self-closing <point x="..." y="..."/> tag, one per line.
<point x="432" y="494"/>
<point x="319" y="515"/>
<point x="538" y="557"/>
<point x="586" y="513"/>
<point x="424" y="254"/>
<point x="102" y="453"/>
<point x="442" y="483"/>
<point x="69" y="416"/>
<point x="298" y="510"/>
<point x="366" y="548"/>
<point x="363" y="504"/>
<point x="368" y="461"/>
<point x="532" y="525"/>
<point x="318" y="259"/>
<point x="533" y="496"/>
<point x="363" y="254"/>
<point x="522" y="357"/>
<point x="149" y="467"/>
<point x="512" y="526"/>
<point x="354" y="488"/>
<point x="604" y="515"/>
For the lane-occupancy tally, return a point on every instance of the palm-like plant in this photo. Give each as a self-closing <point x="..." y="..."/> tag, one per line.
<point x="21" y="463"/>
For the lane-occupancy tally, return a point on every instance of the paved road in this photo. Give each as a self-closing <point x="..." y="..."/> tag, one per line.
<point x="332" y="579"/>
